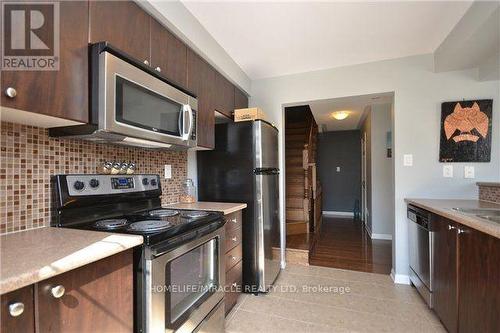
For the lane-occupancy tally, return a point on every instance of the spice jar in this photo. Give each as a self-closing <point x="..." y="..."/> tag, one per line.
<point x="188" y="192"/>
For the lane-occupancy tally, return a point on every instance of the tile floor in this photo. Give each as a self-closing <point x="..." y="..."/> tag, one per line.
<point x="353" y="302"/>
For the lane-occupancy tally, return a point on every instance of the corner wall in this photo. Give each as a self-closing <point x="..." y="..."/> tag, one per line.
<point x="419" y="93"/>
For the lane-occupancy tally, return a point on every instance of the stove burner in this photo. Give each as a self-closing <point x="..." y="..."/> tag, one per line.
<point x="149" y="225"/>
<point x="164" y="212"/>
<point x="194" y="214"/>
<point x="110" y="224"/>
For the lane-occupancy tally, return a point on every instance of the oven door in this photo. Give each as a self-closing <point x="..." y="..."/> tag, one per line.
<point x="137" y="104"/>
<point x="185" y="284"/>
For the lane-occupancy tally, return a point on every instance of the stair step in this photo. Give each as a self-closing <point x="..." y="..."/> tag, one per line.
<point x="294" y="202"/>
<point x="295" y="137"/>
<point x="295" y="131"/>
<point x="294" y="145"/>
<point x="294" y="227"/>
<point x="295" y="180"/>
<point x="295" y="214"/>
<point x="294" y="159"/>
<point x="299" y="124"/>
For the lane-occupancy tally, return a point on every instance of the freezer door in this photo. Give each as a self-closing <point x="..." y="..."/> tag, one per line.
<point x="265" y="145"/>
<point x="268" y="229"/>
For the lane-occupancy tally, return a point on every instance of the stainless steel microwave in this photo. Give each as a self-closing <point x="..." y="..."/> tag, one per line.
<point x="132" y="104"/>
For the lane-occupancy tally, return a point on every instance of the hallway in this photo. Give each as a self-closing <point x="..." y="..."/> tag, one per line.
<point x="344" y="243"/>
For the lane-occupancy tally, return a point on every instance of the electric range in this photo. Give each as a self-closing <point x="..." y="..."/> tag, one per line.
<point x="182" y="250"/>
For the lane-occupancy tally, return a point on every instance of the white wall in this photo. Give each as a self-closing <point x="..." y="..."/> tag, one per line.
<point x="419" y="93"/>
<point x="382" y="216"/>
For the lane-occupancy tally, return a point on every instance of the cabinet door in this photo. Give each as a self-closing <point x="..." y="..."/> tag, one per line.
<point x="62" y="93"/>
<point x="445" y="272"/>
<point x="478" y="282"/>
<point x="97" y="298"/>
<point x="17" y="311"/>
<point x="224" y="95"/>
<point x="122" y="23"/>
<point x="240" y="99"/>
<point x="168" y="54"/>
<point x="200" y="79"/>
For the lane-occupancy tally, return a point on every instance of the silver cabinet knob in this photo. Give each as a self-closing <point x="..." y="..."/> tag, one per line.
<point x="146" y="62"/>
<point x="234" y="239"/>
<point x="10" y="92"/>
<point x="158" y="69"/>
<point x="460" y="231"/>
<point x="450" y="227"/>
<point x="234" y="284"/>
<point x="16" y="309"/>
<point x="233" y="258"/>
<point x="58" y="291"/>
<point x="234" y="220"/>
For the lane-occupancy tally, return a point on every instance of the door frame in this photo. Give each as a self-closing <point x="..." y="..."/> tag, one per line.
<point x="364" y="202"/>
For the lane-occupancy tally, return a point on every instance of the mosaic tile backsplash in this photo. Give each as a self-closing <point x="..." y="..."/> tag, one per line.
<point x="28" y="157"/>
<point x="489" y="193"/>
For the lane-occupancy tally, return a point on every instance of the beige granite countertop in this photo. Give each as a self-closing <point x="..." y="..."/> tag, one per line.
<point x="34" y="255"/>
<point x="488" y="184"/>
<point x="444" y="207"/>
<point x="224" y="207"/>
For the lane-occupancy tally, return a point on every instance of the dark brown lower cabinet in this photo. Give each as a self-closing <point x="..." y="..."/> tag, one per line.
<point x="97" y="297"/>
<point x="18" y="313"/>
<point x="479" y="282"/>
<point x="466" y="277"/>
<point x="234" y="259"/>
<point x="445" y="293"/>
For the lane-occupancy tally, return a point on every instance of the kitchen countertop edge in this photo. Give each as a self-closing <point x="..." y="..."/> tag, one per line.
<point x="104" y="245"/>
<point x="224" y="207"/>
<point x="488" y="184"/>
<point x="443" y="207"/>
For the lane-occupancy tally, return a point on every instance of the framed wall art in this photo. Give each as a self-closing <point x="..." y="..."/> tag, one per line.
<point x="466" y="131"/>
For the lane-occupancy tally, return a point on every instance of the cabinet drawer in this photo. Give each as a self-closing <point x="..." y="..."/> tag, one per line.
<point x="233" y="238"/>
<point x="17" y="311"/>
<point x="233" y="257"/>
<point x="233" y="221"/>
<point x="233" y="286"/>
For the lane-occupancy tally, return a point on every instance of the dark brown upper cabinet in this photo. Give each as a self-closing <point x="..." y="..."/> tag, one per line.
<point x="200" y="79"/>
<point x="168" y="54"/>
<point x="240" y="99"/>
<point x="224" y="99"/>
<point x="123" y="24"/>
<point x="62" y="93"/>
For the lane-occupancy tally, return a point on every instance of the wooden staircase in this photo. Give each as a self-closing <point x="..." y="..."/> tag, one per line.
<point x="300" y="155"/>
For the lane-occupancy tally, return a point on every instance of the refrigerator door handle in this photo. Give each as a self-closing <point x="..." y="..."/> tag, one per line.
<point x="266" y="171"/>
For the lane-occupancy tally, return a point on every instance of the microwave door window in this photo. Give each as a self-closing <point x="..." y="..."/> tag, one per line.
<point x="140" y="107"/>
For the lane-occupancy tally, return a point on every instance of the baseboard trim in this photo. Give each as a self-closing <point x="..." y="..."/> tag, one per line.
<point x="335" y="213"/>
<point x="399" y="278"/>
<point x="381" y="236"/>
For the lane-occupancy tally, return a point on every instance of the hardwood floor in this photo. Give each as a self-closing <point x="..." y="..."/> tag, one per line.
<point x="343" y="243"/>
<point x="299" y="241"/>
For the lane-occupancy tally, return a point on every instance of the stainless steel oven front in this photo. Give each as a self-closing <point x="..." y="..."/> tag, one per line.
<point x="136" y="104"/>
<point x="184" y="285"/>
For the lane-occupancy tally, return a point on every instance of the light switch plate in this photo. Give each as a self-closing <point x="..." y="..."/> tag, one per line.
<point x="408" y="160"/>
<point x="338" y="169"/>
<point x="168" y="171"/>
<point x="469" y="171"/>
<point x="448" y="171"/>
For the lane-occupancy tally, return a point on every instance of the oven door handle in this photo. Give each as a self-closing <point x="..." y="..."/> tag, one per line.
<point x="187" y="134"/>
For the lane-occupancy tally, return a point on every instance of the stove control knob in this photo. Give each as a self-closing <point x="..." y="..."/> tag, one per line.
<point x="145" y="181"/>
<point x="153" y="182"/>
<point x="78" y="185"/>
<point x="94" y="183"/>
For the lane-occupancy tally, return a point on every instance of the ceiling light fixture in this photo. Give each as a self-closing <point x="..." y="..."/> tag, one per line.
<point x="340" y="115"/>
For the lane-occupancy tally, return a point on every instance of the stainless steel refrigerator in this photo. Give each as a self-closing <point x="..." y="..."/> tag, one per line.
<point x="244" y="167"/>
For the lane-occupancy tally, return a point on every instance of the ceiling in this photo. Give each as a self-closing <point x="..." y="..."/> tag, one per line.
<point x="268" y="39"/>
<point x="357" y="106"/>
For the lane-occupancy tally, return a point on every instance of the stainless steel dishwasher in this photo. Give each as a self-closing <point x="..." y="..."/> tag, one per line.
<point x="421" y="248"/>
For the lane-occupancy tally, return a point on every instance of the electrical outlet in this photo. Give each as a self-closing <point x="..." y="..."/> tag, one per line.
<point x="338" y="169"/>
<point x="448" y="171"/>
<point x="168" y="171"/>
<point x="469" y="171"/>
<point x="408" y="160"/>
